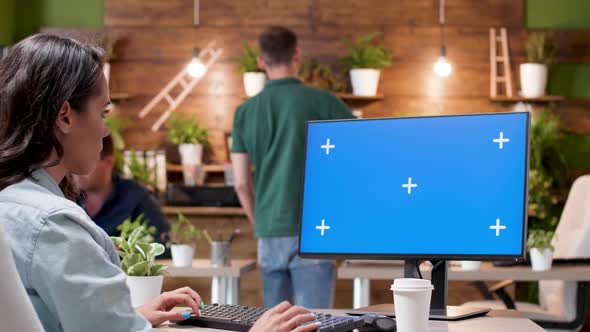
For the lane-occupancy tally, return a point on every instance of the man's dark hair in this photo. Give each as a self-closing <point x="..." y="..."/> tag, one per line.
<point x="107" y="147"/>
<point x="277" y="46"/>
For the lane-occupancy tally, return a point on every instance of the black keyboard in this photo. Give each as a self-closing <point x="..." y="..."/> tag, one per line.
<point x="240" y="318"/>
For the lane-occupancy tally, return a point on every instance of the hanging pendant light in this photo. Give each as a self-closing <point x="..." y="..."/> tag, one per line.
<point x="442" y="67"/>
<point x="196" y="68"/>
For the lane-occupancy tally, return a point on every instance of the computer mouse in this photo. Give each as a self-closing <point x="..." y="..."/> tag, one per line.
<point x="375" y="322"/>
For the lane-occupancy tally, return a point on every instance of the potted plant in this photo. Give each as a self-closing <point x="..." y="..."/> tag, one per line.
<point x="190" y="137"/>
<point x="540" y="248"/>
<point x="182" y="240"/>
<point x="364" y="59"/>
<point x="144" y="276"/>
<point x="253" y="76"/>
<point x="128" y="226"/>
<point x="540" y="49"/>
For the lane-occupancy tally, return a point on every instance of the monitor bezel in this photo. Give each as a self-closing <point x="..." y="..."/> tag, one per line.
<point x="382" y="256"/>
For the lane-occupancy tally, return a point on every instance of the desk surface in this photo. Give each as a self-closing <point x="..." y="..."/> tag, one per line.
<point x="380" y="271"/>
<point x="203" y="268"/>
<point x="497" y="320"/>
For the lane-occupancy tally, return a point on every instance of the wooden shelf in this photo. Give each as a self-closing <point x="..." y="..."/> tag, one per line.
<point x="543" y="99"/>
<point x="204" y="210"/>
<point x="119" y="96"/>
<point x="208" y="168"/>
<point x="350" y="96"/>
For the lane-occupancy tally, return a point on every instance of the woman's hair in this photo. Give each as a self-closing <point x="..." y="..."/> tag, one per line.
<point x="37" y="77"/>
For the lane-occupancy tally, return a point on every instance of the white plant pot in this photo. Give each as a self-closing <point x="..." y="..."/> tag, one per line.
<point x="533" y="79"/>
<point x="470" y="265"/>
<point x="541" y="260"/>
<point x="144" y="289"/>
<point x="190" y="156"/>
<point x="253" y="83"/>
<point x="106" y="69"/>
<point x="182" y="255"/>
<point x="364" y="81"/>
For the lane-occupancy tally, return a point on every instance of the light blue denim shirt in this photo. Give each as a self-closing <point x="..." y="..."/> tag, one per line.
<point x="67" y="264"/>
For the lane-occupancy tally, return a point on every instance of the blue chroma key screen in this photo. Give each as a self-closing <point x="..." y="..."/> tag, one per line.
<point x="447" y="185"/>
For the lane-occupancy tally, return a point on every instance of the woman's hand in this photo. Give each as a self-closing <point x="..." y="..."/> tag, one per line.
<point x="285" y="317"/>
<point x="158" y="311"/>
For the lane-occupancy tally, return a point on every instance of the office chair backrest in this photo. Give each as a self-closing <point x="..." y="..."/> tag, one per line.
<point x="572" y="236"/>
<point x="17" y="313"/>
<point x="571" y="241"/>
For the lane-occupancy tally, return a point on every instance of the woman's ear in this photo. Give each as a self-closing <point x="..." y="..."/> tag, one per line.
<point x="64" y="118"/>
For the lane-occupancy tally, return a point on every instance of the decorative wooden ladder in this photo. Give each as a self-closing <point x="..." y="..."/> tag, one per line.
<point x="183" y="81"/>
<point x="503" y="59"/>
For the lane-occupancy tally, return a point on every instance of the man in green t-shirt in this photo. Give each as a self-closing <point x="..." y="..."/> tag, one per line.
<point x="269" y="134"/>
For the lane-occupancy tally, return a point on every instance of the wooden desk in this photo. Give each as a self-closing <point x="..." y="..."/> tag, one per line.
<point x="225" y="283"/>
<point x="362" y="273"/>
<point x="497" y="320"/>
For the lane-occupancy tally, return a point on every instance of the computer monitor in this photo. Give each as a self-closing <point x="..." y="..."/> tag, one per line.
<point x="423" y="188"/>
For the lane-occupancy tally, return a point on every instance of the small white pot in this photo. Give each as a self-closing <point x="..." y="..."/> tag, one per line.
<point x="364" y="81"/>
<point x="253" y="83"/>
<point x="533" y="79"/>
<point x="106" y="69"/>
<point x="190" y="156"/>
<point x="541" y="260"/>
<point x="182" y="255"/>
<point x="470" y="265"/>
<point x="144" y="289"/>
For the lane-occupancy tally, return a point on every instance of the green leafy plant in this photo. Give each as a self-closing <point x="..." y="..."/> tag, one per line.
<point x="186" y="130"/>
<point x="140" y="172"/>
<point x="137" y="256"/>
<point x="320" y="75"/>
<point x="365" y="52"/>
<point x="247" y="60"/>
<point x="540" y="239"/>
<point x="548" y="167"/>
<point x="115" y="126"/>
<point x="182" y="231"/>
<point x="128" y="226"/>
<point x="541" y="48"/>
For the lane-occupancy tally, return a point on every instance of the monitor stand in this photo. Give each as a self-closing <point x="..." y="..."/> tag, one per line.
<point x="438" y="303"/>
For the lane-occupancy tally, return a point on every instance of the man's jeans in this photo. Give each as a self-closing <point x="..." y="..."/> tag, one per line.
<point x="286" y="276"/>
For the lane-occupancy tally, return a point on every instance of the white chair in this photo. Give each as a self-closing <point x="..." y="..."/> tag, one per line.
<point x="17" y="312"/>
<point x="562" y="304"/>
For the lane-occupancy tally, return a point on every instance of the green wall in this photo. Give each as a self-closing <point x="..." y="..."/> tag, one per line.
<point x="30" y="15"/>
<point x="557" y="14"/>
<point x="72" y="13"/>
<point x="6" y="21"/>
<point x="569" y="80"/>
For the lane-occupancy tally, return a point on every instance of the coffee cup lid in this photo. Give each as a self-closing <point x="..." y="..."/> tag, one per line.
<point x="411" y="284"/>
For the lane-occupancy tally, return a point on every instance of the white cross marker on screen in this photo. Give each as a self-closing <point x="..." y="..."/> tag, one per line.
<point x="498" y="227"/>
<point x="409" y="185"/>
<point x="501" y="140"/>
<point x="323" y="227"/>
<point x="327" y="146"/>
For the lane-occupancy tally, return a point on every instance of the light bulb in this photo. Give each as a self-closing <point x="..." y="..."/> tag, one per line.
<point x="442" y="67"/>
<point x="196" y="68"/>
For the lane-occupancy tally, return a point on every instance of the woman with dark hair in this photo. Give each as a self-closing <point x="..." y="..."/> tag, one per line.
<point x="53" y="101"/>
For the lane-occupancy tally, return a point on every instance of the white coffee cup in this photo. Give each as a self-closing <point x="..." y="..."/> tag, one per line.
<point x="411" y="298"/>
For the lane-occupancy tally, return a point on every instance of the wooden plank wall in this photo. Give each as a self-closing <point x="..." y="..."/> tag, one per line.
<point x="159" y="37"/>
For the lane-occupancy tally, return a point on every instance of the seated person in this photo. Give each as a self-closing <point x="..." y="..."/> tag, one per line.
<point x="53" y="101"/>
<point x="109" y="199"/>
